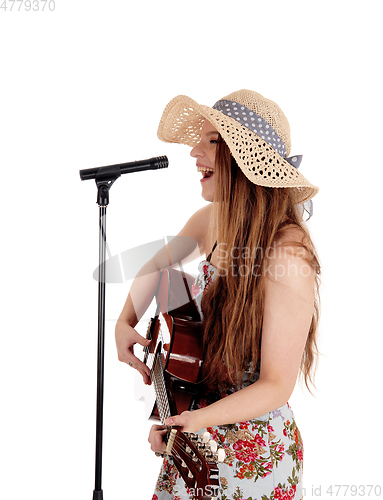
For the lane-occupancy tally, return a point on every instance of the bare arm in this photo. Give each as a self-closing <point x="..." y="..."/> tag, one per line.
<point x="289" y="302"/>
<point x="189" y="243"/>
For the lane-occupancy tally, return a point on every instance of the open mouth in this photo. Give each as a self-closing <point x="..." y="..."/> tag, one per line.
<point x="206" y="172"/>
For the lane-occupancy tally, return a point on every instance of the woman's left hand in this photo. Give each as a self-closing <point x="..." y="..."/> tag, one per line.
<point x="188" y="421"/>
<point x="156" y="435"/>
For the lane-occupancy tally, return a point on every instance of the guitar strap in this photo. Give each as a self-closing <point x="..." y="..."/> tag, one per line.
<point x="211" y="253"/>
<point x="186" y="283"/>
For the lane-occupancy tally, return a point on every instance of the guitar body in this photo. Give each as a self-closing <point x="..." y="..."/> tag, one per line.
<point x="176" y="335"/>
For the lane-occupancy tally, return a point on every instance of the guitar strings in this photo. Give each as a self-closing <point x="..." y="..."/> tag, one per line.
<point x="194" y="467"/>
<point x="179" y="445"/>
<point x="160" y="389"/>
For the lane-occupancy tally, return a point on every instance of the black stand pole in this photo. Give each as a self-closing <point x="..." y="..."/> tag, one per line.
<point x="103" y="201"/>
<point x="105" y="177"/>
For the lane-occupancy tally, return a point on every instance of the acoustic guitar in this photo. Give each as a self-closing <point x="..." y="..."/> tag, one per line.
<point x="174" y="358"/>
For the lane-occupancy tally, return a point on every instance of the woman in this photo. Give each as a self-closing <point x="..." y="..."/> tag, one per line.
<point x="256" y="292"/>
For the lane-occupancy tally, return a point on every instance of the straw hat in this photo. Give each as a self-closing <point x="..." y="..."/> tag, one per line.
<point x="255" y="130"/>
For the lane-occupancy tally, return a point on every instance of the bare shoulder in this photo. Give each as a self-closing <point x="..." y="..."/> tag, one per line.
<point x="289" y="261"/>
<point x="291" y="234"/>
<point x="203" y="214"/>
<point x="294" y="241"/>
<point x="198" y="225"/>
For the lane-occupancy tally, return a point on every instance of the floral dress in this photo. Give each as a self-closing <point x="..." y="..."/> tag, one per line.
<point x="263" y="456"/>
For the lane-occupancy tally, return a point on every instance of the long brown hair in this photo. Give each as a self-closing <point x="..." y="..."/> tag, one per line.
<point x="250" y="219"/>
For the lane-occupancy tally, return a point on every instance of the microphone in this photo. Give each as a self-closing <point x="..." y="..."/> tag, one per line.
<point x="114" y="171"/>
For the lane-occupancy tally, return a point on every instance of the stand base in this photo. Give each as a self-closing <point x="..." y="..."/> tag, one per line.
<point x="97" y="495"/>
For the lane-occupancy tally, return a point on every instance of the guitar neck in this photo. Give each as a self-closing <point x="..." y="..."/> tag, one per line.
<point x="157" y="378"/>
<point x="193" y="457"/>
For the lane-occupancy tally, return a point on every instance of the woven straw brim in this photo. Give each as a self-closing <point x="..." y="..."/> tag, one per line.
<point x="181" y="123"/>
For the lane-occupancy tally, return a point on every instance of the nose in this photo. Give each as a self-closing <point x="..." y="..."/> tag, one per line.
<point x="197" y="151"/>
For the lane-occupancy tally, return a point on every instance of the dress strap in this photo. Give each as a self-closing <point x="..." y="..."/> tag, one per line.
<point x="211" y="253"/>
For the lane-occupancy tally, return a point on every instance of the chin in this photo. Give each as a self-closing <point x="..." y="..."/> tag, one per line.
<point x="208" y="191"/>
<point x="207" y="196"/>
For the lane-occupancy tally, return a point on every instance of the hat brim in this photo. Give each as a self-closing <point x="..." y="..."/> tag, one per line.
<point x="181" y="123"/>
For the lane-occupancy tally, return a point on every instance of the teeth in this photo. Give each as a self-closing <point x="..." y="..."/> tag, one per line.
<point x="203" y="169"/>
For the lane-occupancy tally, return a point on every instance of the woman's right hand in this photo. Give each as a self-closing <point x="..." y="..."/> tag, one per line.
<point x="126" y="337"/>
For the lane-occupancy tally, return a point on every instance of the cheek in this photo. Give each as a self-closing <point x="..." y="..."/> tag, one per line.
<point x="212" y="157"/>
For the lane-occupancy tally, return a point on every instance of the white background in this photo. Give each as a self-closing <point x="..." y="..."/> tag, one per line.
<point x="84" y="86"/>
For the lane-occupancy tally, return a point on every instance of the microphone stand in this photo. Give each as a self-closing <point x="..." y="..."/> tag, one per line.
<point x="105" y="177"/>
<point x="103" y="186"/>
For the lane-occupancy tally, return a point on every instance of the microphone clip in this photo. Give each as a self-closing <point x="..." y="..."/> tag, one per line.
<point x="104" y="178"/>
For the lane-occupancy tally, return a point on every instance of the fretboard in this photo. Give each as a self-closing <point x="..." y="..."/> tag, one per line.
<point x="157" y="377"/>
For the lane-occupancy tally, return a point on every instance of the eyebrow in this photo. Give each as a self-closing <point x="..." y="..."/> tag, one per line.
<point x="212" y="132"/>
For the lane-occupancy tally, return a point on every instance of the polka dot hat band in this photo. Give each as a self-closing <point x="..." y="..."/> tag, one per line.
<point x="254" y="128"/>
<point x="253" y="122"/>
